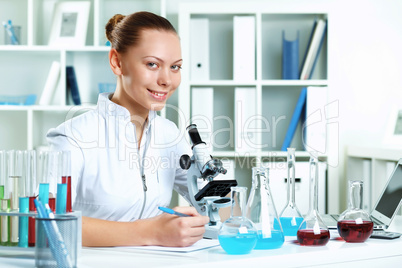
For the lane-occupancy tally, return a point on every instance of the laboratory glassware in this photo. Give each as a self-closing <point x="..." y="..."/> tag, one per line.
<point x="31" y="190"/>
<point x="262" y="212"/>
<point x="237" y="234"/>
<point x="290" y="216"/>
<point x="15" y="164"/>
<point x="313" y="231"/>
<point x="66" y="176"/>
<point x="354" y="224"/>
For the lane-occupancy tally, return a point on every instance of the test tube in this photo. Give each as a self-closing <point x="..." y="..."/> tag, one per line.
<point x="61" y="198"/>
<point x="15" y="160"/>
<point x="3" y="168"/>
<point x="31" y="190"/>
<point x="5" y="223"/>
<point x="23" y="223"/>
<point x="66" y="177"/>
<point x="43" y="177"/>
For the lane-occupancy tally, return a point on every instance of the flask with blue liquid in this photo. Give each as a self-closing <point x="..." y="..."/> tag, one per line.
<point x="237" y="234"/>
<point x="262" y="212"/>
<point x="290" y="216"/>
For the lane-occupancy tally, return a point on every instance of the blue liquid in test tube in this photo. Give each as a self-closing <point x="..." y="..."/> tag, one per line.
<point x="23" y="223"/>
<point x="61" y="199"/>
<point x="44" y="193"/>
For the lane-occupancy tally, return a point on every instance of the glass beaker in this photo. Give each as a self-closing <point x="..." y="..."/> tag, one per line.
<point x="237" y="234"/>
<point x="313" y="231"/>
<point x="262" y="212"/>
<point x="354" y="224"/>
<point x="290" y="216"/>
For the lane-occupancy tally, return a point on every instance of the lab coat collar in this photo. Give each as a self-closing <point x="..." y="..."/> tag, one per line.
<point x="109" y="108"/>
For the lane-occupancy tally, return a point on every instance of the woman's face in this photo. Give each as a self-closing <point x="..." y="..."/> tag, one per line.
<point x="151" y="70"/>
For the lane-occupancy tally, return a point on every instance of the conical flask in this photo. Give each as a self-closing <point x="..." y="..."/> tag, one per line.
<point x="313" y="231"/>
<point x="354" y="224"/>
<point x="262" y="212"/>
<point x="237" y="234"/>
<point x="290" y="216"/>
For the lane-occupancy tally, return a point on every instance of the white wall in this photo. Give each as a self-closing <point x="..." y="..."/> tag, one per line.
<point x="365" y="72"/>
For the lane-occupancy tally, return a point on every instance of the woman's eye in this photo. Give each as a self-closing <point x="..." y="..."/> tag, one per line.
<point x="152" y="65"/>
<point x="176" y="67"/>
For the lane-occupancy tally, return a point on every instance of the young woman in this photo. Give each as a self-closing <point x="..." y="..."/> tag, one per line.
<point x="124" y="156"/>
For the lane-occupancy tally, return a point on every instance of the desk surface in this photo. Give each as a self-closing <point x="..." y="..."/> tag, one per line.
<point x="372" y="253"/>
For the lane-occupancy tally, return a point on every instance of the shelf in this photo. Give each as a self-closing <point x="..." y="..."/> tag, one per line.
<point x="276" y="82"/>
<point x="44" y="108"/>
<point x="383" y="153"/>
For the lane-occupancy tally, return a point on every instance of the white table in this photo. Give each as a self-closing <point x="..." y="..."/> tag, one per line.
<point x="372" y="253"/>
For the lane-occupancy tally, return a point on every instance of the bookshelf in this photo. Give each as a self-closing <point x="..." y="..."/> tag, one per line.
<point x="275" y="98"/>
<point x="25" y="67"/>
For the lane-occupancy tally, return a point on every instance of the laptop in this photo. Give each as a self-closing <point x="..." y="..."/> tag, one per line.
<point x="387" y="204"/>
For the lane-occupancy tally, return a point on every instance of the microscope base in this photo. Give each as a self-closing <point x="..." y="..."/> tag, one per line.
<point x="211" y="232"/>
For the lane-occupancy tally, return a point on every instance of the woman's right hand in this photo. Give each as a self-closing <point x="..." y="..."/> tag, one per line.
<point x="174" y="231"/>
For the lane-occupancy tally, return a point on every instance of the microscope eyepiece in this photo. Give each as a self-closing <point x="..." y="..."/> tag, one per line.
<point x="194" y="135"/>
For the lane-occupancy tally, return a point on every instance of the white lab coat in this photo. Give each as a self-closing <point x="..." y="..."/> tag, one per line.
<point x="106" y="179"/>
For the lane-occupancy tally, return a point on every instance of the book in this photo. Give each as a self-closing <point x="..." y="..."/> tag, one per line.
<point x="297" y="114"/>
<point x="243" y="48"/>
<point x="199" y="49"/>
<point x="315" y="43"/>
<point x="313" y="49"/>
<point x="290" y="57"/>
<point x="72" y="85"/>
<point x="315" y="125"/>
<point x="51" y="84"/>
<point x="245" y="126"/>
<point x="202" y="112"/>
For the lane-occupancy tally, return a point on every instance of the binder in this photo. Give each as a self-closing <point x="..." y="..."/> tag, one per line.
<point x="199" y="49"/>
<point x="313" y="49"/>
<point x="310" y="59"/>
<point x="51" y="84"/>
<point x="245" y="125"/>
<point x="243" y="48"/>
<point x="315" y="126"/>
<point x="202" y="112"/>
<point x="290" y="57"/>
<point x="72" y="85"/>
<point x="297" y="114"/>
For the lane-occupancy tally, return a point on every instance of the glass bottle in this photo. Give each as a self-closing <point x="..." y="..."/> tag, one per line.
<point x="262" y="212"/>
<point x="313" y="231"/>
<point x="237" y="234"/>
<point x="354" y="224"/>
<point x="290" y="216"/>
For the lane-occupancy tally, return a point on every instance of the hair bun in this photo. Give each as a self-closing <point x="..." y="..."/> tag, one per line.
<point x="111" y="24"/>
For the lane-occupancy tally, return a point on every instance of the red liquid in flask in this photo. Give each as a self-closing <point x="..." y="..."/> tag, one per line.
<point x="350" y="231"/>
<point x="309" y="238"/>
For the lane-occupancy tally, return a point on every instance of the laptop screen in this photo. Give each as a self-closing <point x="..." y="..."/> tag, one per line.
<point x="392" y="195"/>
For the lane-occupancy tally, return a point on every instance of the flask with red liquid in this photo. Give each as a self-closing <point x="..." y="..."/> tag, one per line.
<point x="354" y="224"/>
<point x="313" y="231"/>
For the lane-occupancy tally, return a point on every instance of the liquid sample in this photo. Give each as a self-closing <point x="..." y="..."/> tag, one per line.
<point x="290" y="225"/>
<point x="239" y="244"/>
<point x="67" y="180"/>
<point x="307" y="237"/>
<point x="275" y="241"/>
<point x="350" y="231"/>
<point x="52" y="204"/>
<point x="31" y="223"/>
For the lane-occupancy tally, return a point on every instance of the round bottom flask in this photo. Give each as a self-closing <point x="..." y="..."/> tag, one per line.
<point x="237" y="234"/>
<point x="313" y="231"/>
<point x="354" y="224"/>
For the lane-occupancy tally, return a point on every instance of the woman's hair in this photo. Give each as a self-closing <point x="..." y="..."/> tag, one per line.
<point x="124" y="31"/>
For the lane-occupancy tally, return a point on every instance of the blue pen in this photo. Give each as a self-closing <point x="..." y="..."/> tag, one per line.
<point x="171" y="211"/>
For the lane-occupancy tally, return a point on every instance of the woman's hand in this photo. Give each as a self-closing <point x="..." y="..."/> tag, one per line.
<point x="174" y="231"/>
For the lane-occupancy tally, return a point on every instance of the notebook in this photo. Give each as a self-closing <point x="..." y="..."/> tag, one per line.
<point x="387" y="204"/>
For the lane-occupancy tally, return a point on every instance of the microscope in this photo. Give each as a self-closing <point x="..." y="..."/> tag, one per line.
<point x="202" y="166"/>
